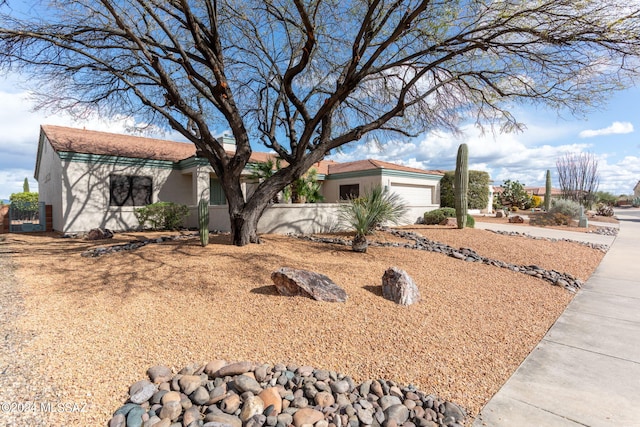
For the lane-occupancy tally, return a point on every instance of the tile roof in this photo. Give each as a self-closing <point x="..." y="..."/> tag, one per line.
<point x="370" y="164"/>
<point x="65" y="139"/>
<point x="111" y="144"/>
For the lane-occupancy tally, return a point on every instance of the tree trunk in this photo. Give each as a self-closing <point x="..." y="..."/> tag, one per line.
<point x="359" y="243"/>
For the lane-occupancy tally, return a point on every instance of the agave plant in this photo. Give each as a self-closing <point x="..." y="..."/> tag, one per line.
<point x="364" y="214"/>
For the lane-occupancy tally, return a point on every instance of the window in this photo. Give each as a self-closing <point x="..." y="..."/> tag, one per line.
<point x="128" y="190"/>
<point x="216" y="195"/>
<point x="349" y="191"/>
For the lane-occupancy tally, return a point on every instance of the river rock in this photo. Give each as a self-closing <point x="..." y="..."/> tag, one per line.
<point x="222" y="420"/>
<point x="293" y="282"/>
<point x="171" y="410"/>
<point x="232" y="369"/>
<point x="307" y="416"/>
<point x="246" y="383"/>
<point x="141" y="391"/>
<point x="159" y="374"/>
<point x="271" y="396"/>
<point x="399" y="287"/>
<point x="252" y="406"/>
<point x="189" y="383"/>
<point x="397" y="413"/>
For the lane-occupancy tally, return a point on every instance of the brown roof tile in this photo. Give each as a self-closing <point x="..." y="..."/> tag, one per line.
<point x="84" y="141"/>
<point x="370" y="164"/>
<point x="112" y="144"/>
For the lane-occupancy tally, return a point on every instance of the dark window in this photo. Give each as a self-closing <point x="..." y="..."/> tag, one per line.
<point x="127" y="190"/>
<point x="349" y="191"/>
<point x="216" y="195"/>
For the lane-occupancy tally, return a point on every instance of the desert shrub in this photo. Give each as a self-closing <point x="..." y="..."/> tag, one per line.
<point x="162" y="215"/>
<point x="471" y="222"/>
<point x="376" y="207"/>
<point x="24" y="201"/>
<point x="514" y="209"/>
<point x="565" y="207"/>
<point x="513" y="194"/>
<point x="548" y="219"/>
<point x="536" y="201"/>
<point x="604" y="210"/>
<point x="438" y="215"/>
<point x="478" y="195"/>
<point x="636" y="202"/>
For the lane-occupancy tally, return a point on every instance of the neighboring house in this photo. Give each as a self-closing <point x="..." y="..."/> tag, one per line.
<point x="636" y="190"/>
<point x="556" y="193"/>
<point x="97" y="179"/>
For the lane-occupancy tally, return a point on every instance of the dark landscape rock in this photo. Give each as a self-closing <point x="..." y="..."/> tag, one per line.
<point x="399" y="287"/>
<point x="99" y="234"/>
<point x="516" y="219"/>
<point x="292" y="282"/>
<point x="450" y="222"/>
<point x="421" y="243"/>
<point x="135" y="244"/>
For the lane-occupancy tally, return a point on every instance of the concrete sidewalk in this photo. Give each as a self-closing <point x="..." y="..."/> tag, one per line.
<point x="586" y="370"/>
<point x="548" y="232"/>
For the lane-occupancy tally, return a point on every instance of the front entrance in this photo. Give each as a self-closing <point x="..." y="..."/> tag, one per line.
<point x="25" y="217"/>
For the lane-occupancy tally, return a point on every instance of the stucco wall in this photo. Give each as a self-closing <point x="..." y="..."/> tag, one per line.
<point x="49" y="179"/>
<point x="86" y="194"/>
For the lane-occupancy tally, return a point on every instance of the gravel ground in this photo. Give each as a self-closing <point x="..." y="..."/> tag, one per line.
<point x="87" y="328"/>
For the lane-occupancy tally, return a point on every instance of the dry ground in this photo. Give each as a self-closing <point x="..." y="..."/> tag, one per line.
<point x="97" y="324"/>
<point x="527" y="214"/>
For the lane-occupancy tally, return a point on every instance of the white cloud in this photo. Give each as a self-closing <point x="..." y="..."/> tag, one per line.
<point x="509" y="156"/>
<point x="615" y="128"/>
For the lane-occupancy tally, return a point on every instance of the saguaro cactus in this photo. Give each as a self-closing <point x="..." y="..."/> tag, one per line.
<point x="547" y="192"/>
<point x="461" y="184"/>
<point x="203" y="222"/>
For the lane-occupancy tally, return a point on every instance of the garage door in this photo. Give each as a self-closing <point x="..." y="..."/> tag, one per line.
<point x="413" y="195"/>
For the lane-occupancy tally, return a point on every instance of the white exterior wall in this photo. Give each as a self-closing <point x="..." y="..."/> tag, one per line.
<point x="415" y="209"/>
<point x="50" y="183"/>
<point x="85" y="202"/>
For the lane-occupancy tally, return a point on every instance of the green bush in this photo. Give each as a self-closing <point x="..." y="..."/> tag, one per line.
<point x="162" y="215"/>
<point x="436" y="216"/>
<point x="566" y="207"/>
<point x="471" y="222"/>
<point x="376" y="207"/>
<point x="635" y="202"/>
<point x="25" y="202"/>
<point x="478" y="196"/>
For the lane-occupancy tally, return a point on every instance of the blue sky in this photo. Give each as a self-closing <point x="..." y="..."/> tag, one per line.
<point x="611" y="133"/>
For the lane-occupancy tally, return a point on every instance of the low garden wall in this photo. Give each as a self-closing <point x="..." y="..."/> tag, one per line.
<point x="303" y="218"/>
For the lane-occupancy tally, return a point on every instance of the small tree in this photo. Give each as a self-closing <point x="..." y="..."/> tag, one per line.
<point x="478" y="197"/>
<point x="514" y="195"/>
<point x="578" y="177"/>
<point x="365" y="213"/>
<point x="25" y="186"/>
<point x="305" y="78"/>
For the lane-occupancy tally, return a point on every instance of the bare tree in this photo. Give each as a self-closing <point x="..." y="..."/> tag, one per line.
<point x="578" y="177"/>
<point x="305" y="77"/>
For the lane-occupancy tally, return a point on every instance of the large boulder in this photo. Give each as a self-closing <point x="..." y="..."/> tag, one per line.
<point x="399" y="287"/>
<point x="292" y="282"/>
<point x="516" y="219"/>
<point x="99" y="234"/>
<point x="449" y="222"/>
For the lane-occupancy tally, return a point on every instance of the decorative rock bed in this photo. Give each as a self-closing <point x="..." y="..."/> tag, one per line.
<point x="134" y="244"/>
<point x="554" y="277"/>
<point x="244" y="394"/>
<point x="597" y="246"/>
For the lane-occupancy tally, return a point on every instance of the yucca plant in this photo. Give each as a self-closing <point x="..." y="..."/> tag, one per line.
<point x="365" y="213"/>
